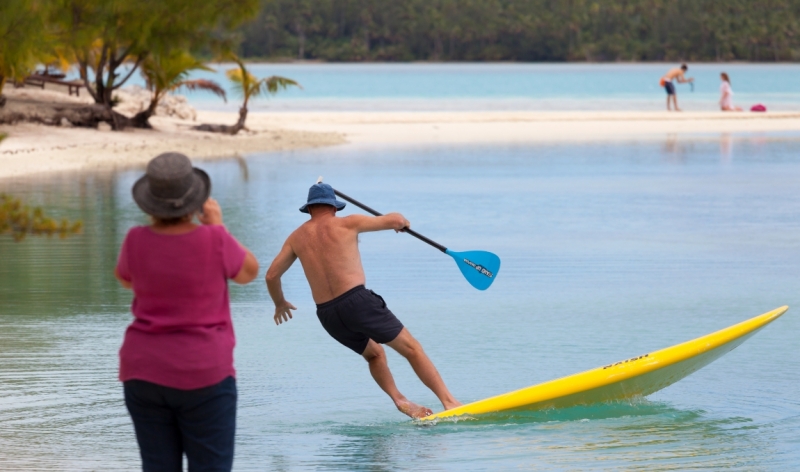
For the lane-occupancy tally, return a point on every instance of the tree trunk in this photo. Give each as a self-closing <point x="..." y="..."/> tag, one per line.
<point x="438" y="47"/>
<point x="88" y="116"/>
<point x="225" y="129"/>
<point x="91" y="116"/>
<point x="142" y="119"/>
<point x="301" y="40"/>
<point x="102" y="87"/>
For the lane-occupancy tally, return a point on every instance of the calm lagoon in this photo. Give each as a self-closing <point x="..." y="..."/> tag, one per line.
<point x="507" y="86"/>
<point x="609" y="251"/>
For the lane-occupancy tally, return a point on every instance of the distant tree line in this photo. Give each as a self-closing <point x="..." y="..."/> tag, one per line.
<point x="525" y="30"/>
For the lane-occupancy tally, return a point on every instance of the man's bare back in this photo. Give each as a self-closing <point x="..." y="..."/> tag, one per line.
<point x="676" y="73"/>
<point x="327" y="247"/>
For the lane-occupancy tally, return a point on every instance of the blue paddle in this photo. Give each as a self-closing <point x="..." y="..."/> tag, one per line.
<point x="479" y="267"/>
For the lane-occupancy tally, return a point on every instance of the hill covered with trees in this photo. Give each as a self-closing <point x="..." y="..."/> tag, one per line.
<point x="525" y="30"/>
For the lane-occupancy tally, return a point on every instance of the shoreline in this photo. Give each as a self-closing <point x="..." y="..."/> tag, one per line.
<point x="532" y="127"/>
<point x="33" y="149"/>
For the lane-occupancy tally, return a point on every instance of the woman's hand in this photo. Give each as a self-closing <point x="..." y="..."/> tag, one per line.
<point x="211" y="214"/>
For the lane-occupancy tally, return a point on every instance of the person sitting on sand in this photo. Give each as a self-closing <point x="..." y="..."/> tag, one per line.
<point x="726" y="94"/>
<point x="176" y="361"/>
<point x="676" y="74"/>
<point x="358" y="318"/>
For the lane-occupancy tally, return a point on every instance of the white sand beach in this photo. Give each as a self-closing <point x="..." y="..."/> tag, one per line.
<point x="403" y="128"/>
<point x="31" y="148"/>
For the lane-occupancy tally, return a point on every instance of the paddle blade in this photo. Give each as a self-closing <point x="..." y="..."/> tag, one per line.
<point x="480" y="268"/>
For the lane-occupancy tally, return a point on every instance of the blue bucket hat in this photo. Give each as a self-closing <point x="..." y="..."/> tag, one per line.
<point x="321" y="194"/>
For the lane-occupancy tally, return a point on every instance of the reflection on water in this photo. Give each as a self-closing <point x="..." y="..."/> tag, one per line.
<point x="608" y="250"/>
<point x="726" y="148"/>
<point x="611" y="436"/>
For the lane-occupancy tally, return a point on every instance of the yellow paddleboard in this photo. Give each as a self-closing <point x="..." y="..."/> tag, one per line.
<point x="635" y="377"/>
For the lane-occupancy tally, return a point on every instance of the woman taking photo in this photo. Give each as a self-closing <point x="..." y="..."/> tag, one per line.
<point x="176" y="361"/>
<point x="726" y="94"/>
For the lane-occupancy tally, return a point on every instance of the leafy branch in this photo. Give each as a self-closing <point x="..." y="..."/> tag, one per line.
<point x="20" y="220"/>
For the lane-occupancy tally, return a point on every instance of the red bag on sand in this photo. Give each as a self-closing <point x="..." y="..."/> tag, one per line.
<point x="758" y="107"/>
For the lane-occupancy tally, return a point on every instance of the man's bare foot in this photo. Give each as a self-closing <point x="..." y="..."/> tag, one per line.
<point x="412" y="409"/>
<point x="452" y="404"/>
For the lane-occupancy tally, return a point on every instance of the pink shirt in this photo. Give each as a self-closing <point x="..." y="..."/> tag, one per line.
<point x="182" y="334"/>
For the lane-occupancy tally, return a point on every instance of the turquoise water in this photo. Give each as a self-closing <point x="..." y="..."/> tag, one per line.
<point x="512" y="86"/>
<point x="609" y="250"/>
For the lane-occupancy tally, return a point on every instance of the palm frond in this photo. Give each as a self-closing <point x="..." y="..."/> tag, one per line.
<point x="244" y="82"/>
<point x="275" y="83"/>
<point x="165" y="72"/>
<point x="203" y="84"/>
<point x="248" y="86"/>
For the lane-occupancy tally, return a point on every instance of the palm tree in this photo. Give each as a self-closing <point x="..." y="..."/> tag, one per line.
<point x="248" y="86"/>
<point x="165" y="73"/>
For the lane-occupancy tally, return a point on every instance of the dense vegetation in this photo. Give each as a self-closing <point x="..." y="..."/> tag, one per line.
<point x="525" y="30"/>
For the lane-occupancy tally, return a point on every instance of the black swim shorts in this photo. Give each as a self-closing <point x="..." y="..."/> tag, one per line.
<point x="357" y="316"/>
<point x="669" y="87"/>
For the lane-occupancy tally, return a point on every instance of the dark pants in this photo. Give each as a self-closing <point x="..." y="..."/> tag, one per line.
<point x="170" y="422"/>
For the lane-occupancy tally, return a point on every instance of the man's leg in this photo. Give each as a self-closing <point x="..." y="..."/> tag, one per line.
<point x="668" y="107"/>
<point x="379" y="368"/>
<point x="411" y="349"/>
<point x="675" y="101"/>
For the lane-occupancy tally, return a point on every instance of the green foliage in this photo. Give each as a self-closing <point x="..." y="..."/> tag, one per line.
<point x="525" y="30"/>
<point x="248" y="86"/>
<point x="104" y="36"/>
<point x="19" y="220"/>
<point x="23" y="37"/>
<point x="167" y="72"/>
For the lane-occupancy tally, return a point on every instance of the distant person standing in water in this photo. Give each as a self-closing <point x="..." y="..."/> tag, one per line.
<point x="357" y="317"/>
<point x="726" y="94"/>
<point x="176" y="361"/>
<point x="676" y="74"/>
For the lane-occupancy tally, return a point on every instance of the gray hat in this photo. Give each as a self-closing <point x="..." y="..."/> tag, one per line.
<point x="171" y="187"/>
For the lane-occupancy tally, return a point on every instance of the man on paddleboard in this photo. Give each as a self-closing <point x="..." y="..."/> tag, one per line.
<point x="676" y="74"/>
<point x="358" y="318"/>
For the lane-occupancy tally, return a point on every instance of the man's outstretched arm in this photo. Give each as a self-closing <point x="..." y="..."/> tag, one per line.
<point x="279" y="266"/>
<point x="365" y="224"/>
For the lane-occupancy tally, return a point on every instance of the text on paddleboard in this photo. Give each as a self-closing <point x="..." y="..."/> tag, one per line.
<point x="479" y="268"/>
<point x="625" y="361"/>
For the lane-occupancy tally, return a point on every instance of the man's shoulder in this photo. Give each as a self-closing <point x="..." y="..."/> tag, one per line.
<point x="299" y="230"/>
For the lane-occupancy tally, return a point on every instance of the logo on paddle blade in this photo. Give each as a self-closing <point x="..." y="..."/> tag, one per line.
<point x="479" y="268"/>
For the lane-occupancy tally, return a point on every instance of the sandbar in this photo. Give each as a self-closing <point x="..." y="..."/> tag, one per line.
<point x="32" y="148"/>
<point x="403" y="128"/>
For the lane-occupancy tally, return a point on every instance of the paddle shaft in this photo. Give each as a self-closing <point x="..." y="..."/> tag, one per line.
<point x="377" y="213"/>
